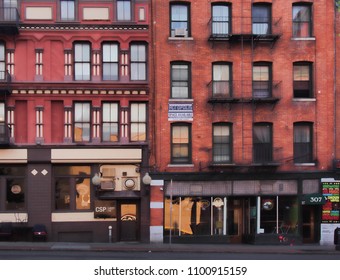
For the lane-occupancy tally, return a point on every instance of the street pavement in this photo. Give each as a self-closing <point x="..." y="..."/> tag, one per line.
<point x="162" y="247"/>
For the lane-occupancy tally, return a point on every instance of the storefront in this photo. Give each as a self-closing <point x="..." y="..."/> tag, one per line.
<point x="249" y="211"/>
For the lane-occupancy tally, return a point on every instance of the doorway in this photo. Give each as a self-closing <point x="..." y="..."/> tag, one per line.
<point x="235" y="220"/>
<point x="308" y="224"/>
<point x="128" y="221"/>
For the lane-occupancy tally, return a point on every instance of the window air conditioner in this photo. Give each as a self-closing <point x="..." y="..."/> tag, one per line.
<point x="130" y="183"/>
<point x="108" y="172"/>
<point x="180" y="32"/>
<point x="107" y="184"/>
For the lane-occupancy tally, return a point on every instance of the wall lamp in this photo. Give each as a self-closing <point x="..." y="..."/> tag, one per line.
<point x="96" y="179"/>
<point x="147" y="179"/>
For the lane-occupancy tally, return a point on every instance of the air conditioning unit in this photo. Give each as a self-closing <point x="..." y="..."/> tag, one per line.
<point x="107" y="184"/>
<point x="130" y="184"/>
<point x="108" y="171"/>
<point x="180" y="32"/>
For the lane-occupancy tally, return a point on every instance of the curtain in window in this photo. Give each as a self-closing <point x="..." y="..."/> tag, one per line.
<point x="221" y="83"/>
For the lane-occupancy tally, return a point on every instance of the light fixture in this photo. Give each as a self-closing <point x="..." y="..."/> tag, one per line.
<point x="96" y="179"/>
<point x="147" y="179"/>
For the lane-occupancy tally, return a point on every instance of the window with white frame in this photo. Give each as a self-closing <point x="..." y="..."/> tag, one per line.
<point x="110" y="61"/>
<point x="138" y="62"/>
<point x="82" y="61"/>
<point x="110" y="122"/>
<point x="67" y="10"/>
<point x="138" y="122"/>
<point x="82" y="122"/>
<point x="124" y="10"/>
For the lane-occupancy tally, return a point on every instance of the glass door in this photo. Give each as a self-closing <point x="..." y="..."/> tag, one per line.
<point x="128" y="221"/>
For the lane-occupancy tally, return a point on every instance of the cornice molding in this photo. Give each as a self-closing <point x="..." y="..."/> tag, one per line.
<point x="83" y="27"/>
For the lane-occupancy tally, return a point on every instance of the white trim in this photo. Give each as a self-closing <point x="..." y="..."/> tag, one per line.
<point x="13" y="155"/>
<point x="157" y="183"/>
<point x="156" y="205"/>
<point x="76" y="217"/>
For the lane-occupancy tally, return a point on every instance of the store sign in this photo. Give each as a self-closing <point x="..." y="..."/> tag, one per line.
<point x="331" y="208"/>
<point x="313" y="199"/>
<point x="105" y="209"/>
<point x="180" y="112"/>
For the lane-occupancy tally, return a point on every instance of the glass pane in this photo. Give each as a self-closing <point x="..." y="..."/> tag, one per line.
<point x="110" y="71"/>
<point x="83" y="194"/>
<point x="301" y="134"/>
<point x="15" y="194"/>
<point x="62" y="194"/>
<point x="221" y="72"/>
<point x="179" y="13"/>
<point x="123" y="10"/>
<point x="110" y="53"/>
<point x="110" y="112"/>
<point x="2" y="112"/>
<point x="301" y="72"/>
<point x="180" y="134"/>
<point x="301" y="13"/>
<point x="260" y="73"/>
<point x="67" y="11"/>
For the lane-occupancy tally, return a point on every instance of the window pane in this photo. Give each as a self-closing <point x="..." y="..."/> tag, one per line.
<point x="110" y="53"/>
<point x="301" y="21"/>
<point x="62" y="194"/>
<point x="221" y="143"/>
<point x="83" y="194"/>
<point x="15" y="194"/>
<point x="67" y="10"/>
<point x="123" y="10"/>
<point x="2" y="112"/>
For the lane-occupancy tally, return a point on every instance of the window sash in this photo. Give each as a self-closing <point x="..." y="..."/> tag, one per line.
<point x="220" y="20"/>
<point x="82" y="62"/>
<point x="123" y="10"/>
<point x="262" y="144"/>
<point x="302" y="84"/>
<point x="261" y="19"/>
<point x="138" y="62"/>
<point x="221" y="144"/>
<point x="301" y="21"/>
<point x="180" y="81"/>
<point x="179" y="17"/>
<point x="180" y="144"/>
<point x="110" y="62"/>
<point x="67" y="10"/>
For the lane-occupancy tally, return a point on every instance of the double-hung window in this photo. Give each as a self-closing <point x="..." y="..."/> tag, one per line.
<point x="262" y="143"/>
<point x="221" y="84"/>
<point x="180" y="24"/>
<point x="2" y="62"/>
<point x="220" y="20"/>
<point x="261" y="17"/>
<point x="82" y="61"/>
<point x="110" y="122"/>
<point x="180" y="80"/>
<point x="124" y="10"/>
<point x="262" y="80"/>
<point x="138" y="122"/>
<point x="222" y="143"/>
<point x="302" y="20"/>
<point x="180" y="143"/>
<point x="138" y="62"/>
<point x="82" y="122"/>
<point x="302" y="80"/>
<point x="110" y="61"/>
<point x="303" y="144"/>
<point x="67" y="10"/>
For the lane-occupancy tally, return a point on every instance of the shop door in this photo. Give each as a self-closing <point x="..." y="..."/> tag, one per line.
<point x="308" y="224"/>
<point x="128" y="221"/>
<point x="234" y="220"/>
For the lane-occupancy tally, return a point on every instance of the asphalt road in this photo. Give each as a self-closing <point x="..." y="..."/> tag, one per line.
<point x="105" y="255"/>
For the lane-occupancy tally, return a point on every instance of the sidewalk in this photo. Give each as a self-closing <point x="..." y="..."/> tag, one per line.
<point x="160" y="247"/>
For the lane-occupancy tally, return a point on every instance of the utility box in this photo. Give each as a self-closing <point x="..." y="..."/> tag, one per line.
<point x="337" y="238"/>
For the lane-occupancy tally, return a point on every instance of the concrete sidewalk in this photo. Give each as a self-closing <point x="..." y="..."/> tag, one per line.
<point x="160" y="247"/>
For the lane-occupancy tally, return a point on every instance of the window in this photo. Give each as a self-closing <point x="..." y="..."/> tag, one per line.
<point x="2" y="62"/>
<point x="261" y="19"/>
<point x="82" y="61"/>
<point x="180" y="25"/>
<point x="221" y="80"/>
<point x="302" y="84"/>
<point x="303" y="144"/>
<point x="12" y="187"/>
<point x="10" y="12"/>
<point x="180" y="80"/>
<point x="67" y="9"/>
<point x="110" y="61"/>
<point x="81" y="122"/>
<point x="302" y="20"/>
<point x="262" y="143"/>
<point x="220" y="20"/>
<point x="222" y="143"/>
<point x="138" y="62"/>
<point x="124" y="10"/>
<point x="180" y="143"/>
<point x="110" y="122"/>
<point x="261" y="80"/>
<point x="138" y="122"/>
<point x="72" y="187"/>
<point x="4" y="131"/>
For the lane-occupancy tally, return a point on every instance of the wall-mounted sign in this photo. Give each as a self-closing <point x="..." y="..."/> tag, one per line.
<point x="105" y="209"/>
<point x="331" y="208"/>
<point x="180" y="112"/>
<point x="313" y="199"/>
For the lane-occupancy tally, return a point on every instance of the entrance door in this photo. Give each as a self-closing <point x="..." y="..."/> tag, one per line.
<point x="234" y="220"/>
<point x="308" y="224"/>
<point x="128" y="221"/>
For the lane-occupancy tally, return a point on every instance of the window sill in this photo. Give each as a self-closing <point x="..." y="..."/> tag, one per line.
<point x="303" y="38"/>
<point x="173" y="165"/>
<point x="304" y="99"/>
<point x="180" y="38"/>
<point x="305" y="164"/>
<point x="181" y="100"/>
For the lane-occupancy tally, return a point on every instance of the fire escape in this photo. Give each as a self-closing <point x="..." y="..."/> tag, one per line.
<point x="253" y="86"/>
<point x="9" y="26"/>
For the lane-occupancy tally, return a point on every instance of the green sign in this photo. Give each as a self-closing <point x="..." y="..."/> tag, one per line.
<point x="313" y="199"/>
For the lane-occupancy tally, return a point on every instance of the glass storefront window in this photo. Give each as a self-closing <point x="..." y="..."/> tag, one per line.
<point x="15" y="194"/>
<point x="72" y="187"/>
<point x="278" y="214"/>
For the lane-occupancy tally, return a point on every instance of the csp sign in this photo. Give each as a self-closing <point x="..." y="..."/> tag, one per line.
<point x="105" y="209"/>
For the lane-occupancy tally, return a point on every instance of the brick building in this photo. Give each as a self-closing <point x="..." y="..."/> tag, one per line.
<point x="244" y="120"/>
<point x="74" y="96"/>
